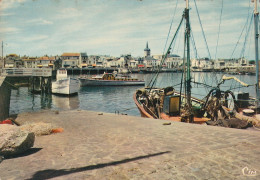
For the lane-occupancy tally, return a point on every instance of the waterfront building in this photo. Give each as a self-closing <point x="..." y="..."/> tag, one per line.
<point x="148" y="60"/>
<point x="173" y="61"/>
<point x="107" y="61"/>
<point x="202" y="65"/>
<point x="13" y="61"/>
<point x="92" y="60"/>
<point x="231" y="65"/>
<point x="104" y="60"/>
<point x="29" y="62"/>
<point x="45" y="62"/>
<point x="128" y="61"/>
<point x="133" y="63"/>
<point x="83" y="60"/>
<point x="116" y="63"/>
<point x="158" y="56"/>
<point x="147" y="51"/>
<point x="70" y="60"/>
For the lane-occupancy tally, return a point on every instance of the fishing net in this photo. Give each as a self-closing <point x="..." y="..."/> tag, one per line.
<point x="38" y="128"/>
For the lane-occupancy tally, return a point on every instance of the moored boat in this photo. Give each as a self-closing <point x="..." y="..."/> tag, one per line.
<point x="166" y="103"/>
<point x="218" y="107"/>
<point x="110" y="79"/>
<point x="241" y="111"/>
<point x="65" y="85"/>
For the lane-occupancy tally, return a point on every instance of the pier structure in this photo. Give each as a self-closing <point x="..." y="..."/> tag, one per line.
<point x="5" y="94"/>
<point x="39" y="80"/>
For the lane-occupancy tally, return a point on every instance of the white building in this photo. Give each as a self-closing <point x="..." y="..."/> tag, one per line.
<point x="203" y="64"/>
<point x="71" y="60"/>
<point x="173" y="61"/>
<point x="29" y="62"/>
<point x="45" y="62"/>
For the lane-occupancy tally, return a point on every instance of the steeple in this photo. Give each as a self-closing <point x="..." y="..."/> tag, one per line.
<point x="147" y="51"/>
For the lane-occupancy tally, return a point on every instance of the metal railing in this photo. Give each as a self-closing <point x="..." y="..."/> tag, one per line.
<point x="46" y="72"/>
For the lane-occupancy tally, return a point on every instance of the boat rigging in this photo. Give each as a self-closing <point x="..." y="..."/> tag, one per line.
<point x="217" y="108"/>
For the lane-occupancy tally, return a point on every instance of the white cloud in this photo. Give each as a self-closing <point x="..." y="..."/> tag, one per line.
<point x="46" y="22"/>
<point x="5" y="14"/>
<point x="35" y="38"/>
<point x="8" y="29"/>
<point x="40" y="21"/>
<point x="66" y="13"/>
<point x="118" y="26"/>
<point x="6" y="4"/>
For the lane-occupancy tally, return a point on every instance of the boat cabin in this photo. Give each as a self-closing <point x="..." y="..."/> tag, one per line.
<point x="112" y="76"/>
<point x="61" y="74"/>
<point x="171" y="105"/>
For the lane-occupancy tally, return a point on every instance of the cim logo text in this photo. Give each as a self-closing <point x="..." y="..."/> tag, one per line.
<point x="248" y="172"/>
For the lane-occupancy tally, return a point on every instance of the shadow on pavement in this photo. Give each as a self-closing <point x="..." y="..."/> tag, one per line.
<point x="27" y="153"/>
<point x="52" y="173"/>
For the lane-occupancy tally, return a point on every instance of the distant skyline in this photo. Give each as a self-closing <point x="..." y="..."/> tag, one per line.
<point x="115" y="27"/>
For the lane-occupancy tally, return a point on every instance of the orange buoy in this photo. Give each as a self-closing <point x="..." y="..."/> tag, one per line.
<point x="57" y="130"/>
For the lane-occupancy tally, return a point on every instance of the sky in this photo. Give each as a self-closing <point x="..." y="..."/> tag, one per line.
<point x="116" y="27"/>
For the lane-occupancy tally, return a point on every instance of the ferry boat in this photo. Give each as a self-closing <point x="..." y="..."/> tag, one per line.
<point x="65" y="85"/>
<point x="111" y="79"/>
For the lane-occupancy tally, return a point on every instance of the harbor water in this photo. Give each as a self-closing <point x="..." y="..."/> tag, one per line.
<point x="119" y="99"/>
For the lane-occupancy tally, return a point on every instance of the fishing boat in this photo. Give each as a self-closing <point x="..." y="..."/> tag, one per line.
<point x="167" y="103"/>
<point x="65" y="85"/>
<point x="218" y="107"/>
<point x="111" y="79"/>
<point x="239" y="110"/>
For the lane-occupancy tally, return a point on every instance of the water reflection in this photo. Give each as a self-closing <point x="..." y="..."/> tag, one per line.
<point x="65" y="103"/>
<point x="111" y="99"/>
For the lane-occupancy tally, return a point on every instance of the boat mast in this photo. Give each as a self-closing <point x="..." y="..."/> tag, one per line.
<point x="188" y="76"/>
<point x="3" y="62"/>
<point x="256" y="18"/>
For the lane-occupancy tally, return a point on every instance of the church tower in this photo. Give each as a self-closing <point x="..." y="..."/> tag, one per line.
<point x="147" y="51"/>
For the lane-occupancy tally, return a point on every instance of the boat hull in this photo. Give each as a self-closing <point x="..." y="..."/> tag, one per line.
<point x="67" y="86"/>
<point x="144" y="111"/>
<point x="94" y="82"/>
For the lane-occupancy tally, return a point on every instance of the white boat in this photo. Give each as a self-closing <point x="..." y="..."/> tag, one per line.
<point x="65" y="85"/>
<point x="110" y="79"/>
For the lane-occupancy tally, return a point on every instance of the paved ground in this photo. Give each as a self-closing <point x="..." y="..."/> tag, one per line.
<point x="109" y="146"/>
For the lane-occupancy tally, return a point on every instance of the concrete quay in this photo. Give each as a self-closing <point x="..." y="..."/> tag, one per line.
<point x="107" y="146"/>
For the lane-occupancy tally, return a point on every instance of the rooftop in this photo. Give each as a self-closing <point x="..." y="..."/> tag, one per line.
<point x="70" y="54"/>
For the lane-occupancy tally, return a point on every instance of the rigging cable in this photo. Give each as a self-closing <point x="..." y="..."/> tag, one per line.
<point x="245" y="42"/>
<point x="250" y="40"/>
<point x="246" y="36"/>
<point x="246" y="28"/>
<point x="153" y="80"/>
<point x="196" y="54"/>
<point x="220" y="18"/>
<point x="194" y="45"/>
<point x="242" y="30"/>
<point x="204" y="36"/>
<point x="170" y="27"/>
